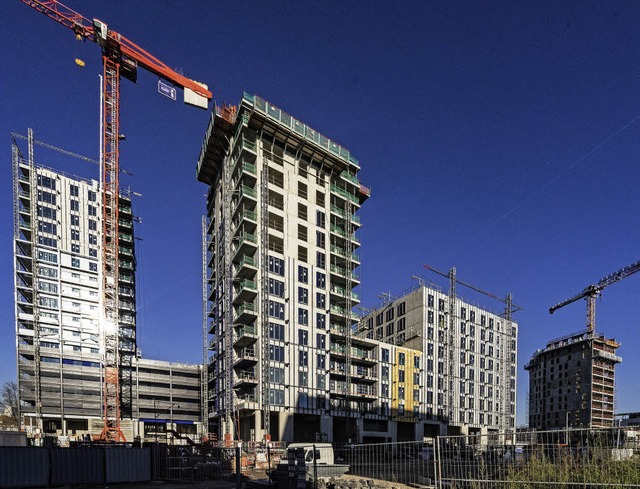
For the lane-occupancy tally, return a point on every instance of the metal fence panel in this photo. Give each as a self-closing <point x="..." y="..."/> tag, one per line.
<point x="128" y="464"/>
<point x="76" y="466"/>
<point x="572" y="458"/>
<point x="409" y="463"/>
<point x="23" y="467"/>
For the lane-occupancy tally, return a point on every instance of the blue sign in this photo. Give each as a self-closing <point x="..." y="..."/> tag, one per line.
<point x="167" y="90"/>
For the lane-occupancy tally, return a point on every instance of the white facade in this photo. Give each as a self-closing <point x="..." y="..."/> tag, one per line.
<point x="469" y="363"/>
<point x="281" y="257"/>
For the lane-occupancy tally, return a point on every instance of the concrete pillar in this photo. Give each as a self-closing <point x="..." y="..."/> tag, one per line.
<point x="285" y="426"/>
<point x="257" y="422"/>
<point x="393" y="431"/>
<point x="326" y="426"/>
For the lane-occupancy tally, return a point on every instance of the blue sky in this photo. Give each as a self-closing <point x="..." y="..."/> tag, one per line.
<point x="497" y="137"/>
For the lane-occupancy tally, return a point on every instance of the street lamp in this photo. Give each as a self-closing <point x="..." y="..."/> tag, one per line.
<point x="155" y="414"/>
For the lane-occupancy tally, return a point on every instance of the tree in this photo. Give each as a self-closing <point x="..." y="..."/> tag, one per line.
<point x="9" y="404"/>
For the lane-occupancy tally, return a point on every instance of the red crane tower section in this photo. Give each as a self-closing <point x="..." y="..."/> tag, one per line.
<point x="121" y="58"/>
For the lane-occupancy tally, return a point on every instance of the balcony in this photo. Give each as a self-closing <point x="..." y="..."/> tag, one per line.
<point x="247" y="172"/>
<point x="246" y="243"/>
<point x="247" y="218"/>
<point x="338" y="329"/>
<point x="341" y="212"/>
<point x="344" y="194"/>
<point x="245" y="313"/>
<point x="245" y="378"/>
<point x="342" y="273"/>
<point x="246" y="267"/>
<point x="245" y="290"/>
<point x="247" y="194"/>
<point x="342" y="292"/>
<point x="244" y="336"/>
<point x="244" y="358"/>
<point x="342" y="252"/>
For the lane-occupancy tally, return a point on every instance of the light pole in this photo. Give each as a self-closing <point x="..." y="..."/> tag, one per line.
<point x="155" y="415"/>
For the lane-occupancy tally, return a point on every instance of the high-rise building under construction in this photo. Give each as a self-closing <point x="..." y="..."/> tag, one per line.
<point x="281" y="259"/>
<point x="59" y="320"/>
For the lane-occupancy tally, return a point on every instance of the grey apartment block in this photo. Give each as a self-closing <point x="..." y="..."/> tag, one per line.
<point x="572" y="382"/>
<point x="281" y="253"/>
<point x="469" y="361"/>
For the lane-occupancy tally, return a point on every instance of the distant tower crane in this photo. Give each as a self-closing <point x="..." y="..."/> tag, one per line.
<point x="592" y="291"/>
<point x="120" y="58"/>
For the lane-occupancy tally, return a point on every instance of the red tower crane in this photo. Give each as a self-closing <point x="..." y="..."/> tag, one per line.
<point x="121" y="58"/>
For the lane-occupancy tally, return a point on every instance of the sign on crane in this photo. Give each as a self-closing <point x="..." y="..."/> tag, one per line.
<point x="592" y="291"/>
<point x="121" y="58"/>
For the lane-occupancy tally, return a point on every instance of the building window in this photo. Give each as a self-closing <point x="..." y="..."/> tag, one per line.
<point x="47" y="227"/>
<point x="92" y="210"/>
<point x="303" y="358"/>
<point x="276" y="353"/>
<point x="276" y="309"/>
<point x="385" y="355"/>
<point x="390" y="314"/>
<point x="276" y="375"/>
<point x="276" y="397"/>
<point x="276" y="287"/>
<point x="75" y="220"/>
<point x="302" y="254"/>
<point x="401" y="376"/>
<point x="276" y="265"/>
<point x="321" y="300"/>
<point x="401" y="308"/>
<point x="320" y="260"/>
<point x="75" y="262"/>
<point x="320" y="220"/>
<point x="47" y="197"/>
<point x="276" y="331"/>
<point x="320" y="239"/>
<point x="401" y="358"/>
<point x="47" y="182"/>
<point x="303" y="337"/>
<point x="93" y="252"/>
<point x="321" y="380"/>
<point x="75" y="235"/>
<point x="93" y="239"/>
<point x="321" y="341"/>
<point x="321" y="321"/>
<point x="93" y="266"/>
<point x="384" y="372"/>
<point x="302" y="190"/>
<point x="303" y="378"/>
<point x="74" y="205"/>
<point x="302" y="212"/>
<point x="303" y="274"/>
<point x="400" y="396"/>
<point x="303" y="295"/>
<point x="303" y="317"/>
<point x="93" y="225"/>
<point x="321" y="280"/>
<point x="74" y="190"/>
<point x="390" y="329"/>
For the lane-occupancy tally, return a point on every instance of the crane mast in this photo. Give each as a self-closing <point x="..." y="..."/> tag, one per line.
<point x="121" y="58"/>
<point x="591" y="292"/>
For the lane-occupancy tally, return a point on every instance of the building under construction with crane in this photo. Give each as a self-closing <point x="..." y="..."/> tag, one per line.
<point x="121" y="58"/>
<point x="60" y="332"/>
<point x="280" y="272"/>
<point x="468" y="355"/>
<point x="572" y="380"/>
